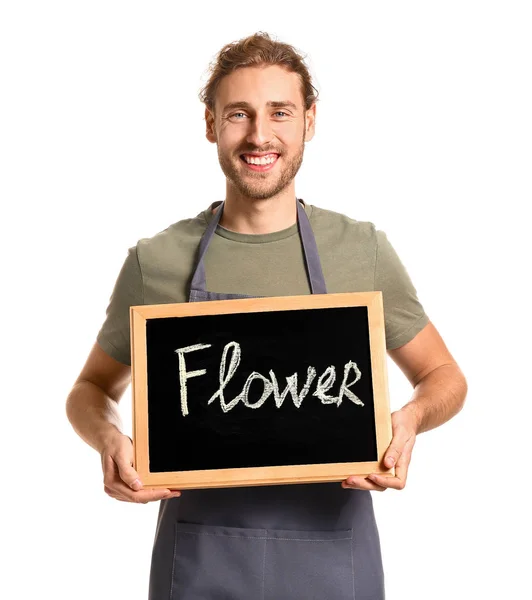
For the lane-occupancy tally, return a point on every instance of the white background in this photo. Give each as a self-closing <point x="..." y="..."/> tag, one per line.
<point x="424" y="127"/>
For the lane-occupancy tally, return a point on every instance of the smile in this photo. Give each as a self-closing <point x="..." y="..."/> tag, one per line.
<point x="259" y="163"/>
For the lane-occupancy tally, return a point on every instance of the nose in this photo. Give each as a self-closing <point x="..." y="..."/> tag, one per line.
<point x="260" y="131"/>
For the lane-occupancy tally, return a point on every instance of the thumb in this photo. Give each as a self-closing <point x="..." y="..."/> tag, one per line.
<point x="395" y="449"/>
<point x="127" y="473"/>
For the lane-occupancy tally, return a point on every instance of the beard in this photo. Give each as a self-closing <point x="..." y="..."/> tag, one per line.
<point x="261" y="186"/>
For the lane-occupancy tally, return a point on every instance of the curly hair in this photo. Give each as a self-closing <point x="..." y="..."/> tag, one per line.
<point x="257" y="50"/>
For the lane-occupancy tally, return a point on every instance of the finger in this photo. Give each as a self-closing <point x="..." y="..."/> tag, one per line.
<point x="151" y="495"/>
<point x="114" y="493"/>
<point x="396" y="447"/>
<point x="123" y="499"/>
<point x="113" y="470"/>
<point x="122" y="492"/>
<point x="113" y="481"/>
<point x="126" y="471"/>
<point x="361" y="483"/>
<point x="401" y="470"/>
<point x="388" y="481"/>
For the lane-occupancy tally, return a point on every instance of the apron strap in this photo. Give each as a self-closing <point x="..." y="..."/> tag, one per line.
<point x="198" y="279"/>
<point x="310" y="252"/>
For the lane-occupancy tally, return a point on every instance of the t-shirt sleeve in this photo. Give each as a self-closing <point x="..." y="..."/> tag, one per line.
<point x="404" y="315"/>
<point x="114" y="334"/>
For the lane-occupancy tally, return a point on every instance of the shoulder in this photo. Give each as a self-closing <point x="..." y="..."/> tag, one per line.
<point x="331" y="224"/>
<point x="178" y="238"/>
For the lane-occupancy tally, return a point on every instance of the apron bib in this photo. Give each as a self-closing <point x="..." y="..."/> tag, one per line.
<point x="280" y="542"/>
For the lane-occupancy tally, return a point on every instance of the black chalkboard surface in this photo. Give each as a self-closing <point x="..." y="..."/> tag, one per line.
<point x="256" y="391"/>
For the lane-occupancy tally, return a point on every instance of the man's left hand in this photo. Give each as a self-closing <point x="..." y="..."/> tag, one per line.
<point x="398" y="454"/>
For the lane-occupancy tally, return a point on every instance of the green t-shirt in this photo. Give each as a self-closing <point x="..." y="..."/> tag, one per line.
<point x="355" y="257"/>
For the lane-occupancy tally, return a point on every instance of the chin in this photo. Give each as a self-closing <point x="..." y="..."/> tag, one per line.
<point x="258" y="193"/>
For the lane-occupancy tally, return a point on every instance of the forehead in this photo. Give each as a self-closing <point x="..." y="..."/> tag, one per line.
<point x="258" y="86"/>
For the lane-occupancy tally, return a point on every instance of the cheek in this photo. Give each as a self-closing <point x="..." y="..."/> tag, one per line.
<point x="228" y="142"/>
<point x="289" y="136"/>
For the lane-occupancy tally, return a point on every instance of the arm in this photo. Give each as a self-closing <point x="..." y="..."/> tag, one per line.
<point x="92" y="405"/>
<point x="440" y="387"/>
<point x="92" y="409"/>
<point x="440" y="390"/>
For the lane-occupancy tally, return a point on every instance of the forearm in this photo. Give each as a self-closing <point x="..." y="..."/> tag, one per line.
<point x="438" y="397"/>
<point x="93" y="415"/>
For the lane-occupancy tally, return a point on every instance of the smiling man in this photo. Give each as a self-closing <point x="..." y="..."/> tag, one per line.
<point x="259" y="165"/>
<point x="281" y="129"/>
<point x="266" y="542"/>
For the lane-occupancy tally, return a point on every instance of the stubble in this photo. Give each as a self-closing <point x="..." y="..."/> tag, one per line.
<point x="261" y="186"/>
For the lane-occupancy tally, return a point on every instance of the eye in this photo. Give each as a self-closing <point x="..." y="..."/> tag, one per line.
<point x="281" y="112"/>
<point x="238" y="113"/>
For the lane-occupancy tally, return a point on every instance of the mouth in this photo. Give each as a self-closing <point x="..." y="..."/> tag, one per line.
<point x="260" y="163"/>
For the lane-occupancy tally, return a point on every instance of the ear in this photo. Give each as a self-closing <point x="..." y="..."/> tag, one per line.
<point x="311" y="122"/>
<point x="210" y="132"/>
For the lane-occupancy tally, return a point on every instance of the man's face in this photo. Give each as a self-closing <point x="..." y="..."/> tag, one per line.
<point x="260" y="111"/>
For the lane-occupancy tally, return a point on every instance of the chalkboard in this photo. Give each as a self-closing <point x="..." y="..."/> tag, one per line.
<point x="259" y="391"/>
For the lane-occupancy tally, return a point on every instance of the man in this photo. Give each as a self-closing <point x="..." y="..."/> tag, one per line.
<point x="260" y="542"/>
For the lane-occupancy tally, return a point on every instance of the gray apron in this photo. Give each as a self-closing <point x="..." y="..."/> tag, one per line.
<point x="281" y="542"/>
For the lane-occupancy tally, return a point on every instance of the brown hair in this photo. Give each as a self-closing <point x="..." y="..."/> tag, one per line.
<point x="257" y="50"/>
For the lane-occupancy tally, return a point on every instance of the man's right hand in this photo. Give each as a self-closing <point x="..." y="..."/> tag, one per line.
<point x="120" y="479"/>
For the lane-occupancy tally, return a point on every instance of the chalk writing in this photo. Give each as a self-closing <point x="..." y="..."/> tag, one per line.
<point x="228" y="368"/>
<point x="183" y="375"/>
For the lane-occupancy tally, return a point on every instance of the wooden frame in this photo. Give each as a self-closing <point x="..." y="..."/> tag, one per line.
<point x="247" y="476"/>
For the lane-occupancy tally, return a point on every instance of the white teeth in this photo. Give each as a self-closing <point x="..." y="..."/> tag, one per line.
<point x="263" y="160"/>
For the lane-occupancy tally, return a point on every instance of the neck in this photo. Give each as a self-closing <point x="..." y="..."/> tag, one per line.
<point x="247" y="215"/>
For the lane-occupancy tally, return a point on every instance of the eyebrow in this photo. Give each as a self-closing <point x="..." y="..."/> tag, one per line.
<point x="271" y="103"/>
